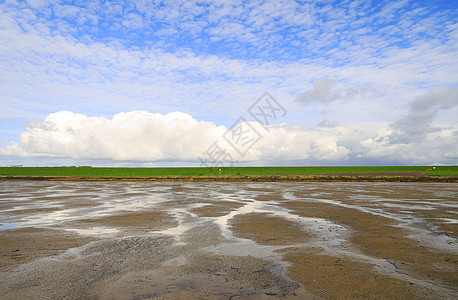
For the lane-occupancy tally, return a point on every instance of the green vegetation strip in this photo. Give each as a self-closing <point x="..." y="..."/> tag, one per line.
<point x="230" y="171"/>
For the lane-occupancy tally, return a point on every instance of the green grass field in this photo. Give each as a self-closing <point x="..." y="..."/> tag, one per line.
<point x="160" y="172"/>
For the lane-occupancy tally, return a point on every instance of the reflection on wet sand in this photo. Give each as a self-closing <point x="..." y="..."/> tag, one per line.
<point x="221" y="240"/>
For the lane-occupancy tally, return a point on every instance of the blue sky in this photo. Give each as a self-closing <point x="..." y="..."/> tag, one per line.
<point x="158" y="82"/>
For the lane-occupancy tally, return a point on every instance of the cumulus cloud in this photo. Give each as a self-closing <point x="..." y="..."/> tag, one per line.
<point x="417" y="137"/>
<point x="327" y="90"/>
<point x="436" y="148"/>
<point x="144" y="136"/>
<point x="136" y="135"/>
<point x="416" y="124"/>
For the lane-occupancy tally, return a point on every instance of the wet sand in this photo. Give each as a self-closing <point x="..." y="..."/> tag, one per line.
<point x="228" y="240"/>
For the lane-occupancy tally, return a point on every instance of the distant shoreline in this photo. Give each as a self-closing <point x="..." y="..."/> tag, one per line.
<point x="355" y="177"/>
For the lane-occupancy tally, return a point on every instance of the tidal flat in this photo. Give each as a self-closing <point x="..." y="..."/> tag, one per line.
<point x="228" y="240"/>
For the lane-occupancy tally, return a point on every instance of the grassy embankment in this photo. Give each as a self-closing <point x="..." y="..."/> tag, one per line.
<point x="230" y="171"/>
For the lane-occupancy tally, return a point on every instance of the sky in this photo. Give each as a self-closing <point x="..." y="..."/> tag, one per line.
<point x="228" y="83"/>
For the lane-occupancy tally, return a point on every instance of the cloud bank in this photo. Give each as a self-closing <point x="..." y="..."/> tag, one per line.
<point x="416" y="125"/>
<point x="420" y="136"/>
<point x="144" y="137"/>
<point x="136" y="135"/>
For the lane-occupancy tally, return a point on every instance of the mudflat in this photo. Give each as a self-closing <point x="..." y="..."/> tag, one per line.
<point x="228" y="240"/>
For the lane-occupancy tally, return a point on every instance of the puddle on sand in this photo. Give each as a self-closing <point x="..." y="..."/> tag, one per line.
<point x="202" y="256"/>
<point x="5" y="226"/>
<point x="94" y="231"/>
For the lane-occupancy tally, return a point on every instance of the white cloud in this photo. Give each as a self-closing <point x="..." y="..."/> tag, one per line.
<point x="143" y="136"/>
<point x="38" y="4"/>
<point x="136" y="135"/>
<point x="177" y="137"/>
<point x="66" y="11"/>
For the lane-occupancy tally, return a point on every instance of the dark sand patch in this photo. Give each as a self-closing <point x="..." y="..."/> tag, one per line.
<point x="332" y="277"/>
<point x="216" y="208"/>
<point x="268" y="230"/>
<point x="438" y="218"/>
<point x="378" y="237"/>
<point x="273" y="196"/>
<point x="19" y="246"/>
<point x="206" y="277"/>
<point x="143" y="221"/>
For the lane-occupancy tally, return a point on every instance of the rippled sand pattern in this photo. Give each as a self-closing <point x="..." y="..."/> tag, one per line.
<point x="221" y="240"/>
